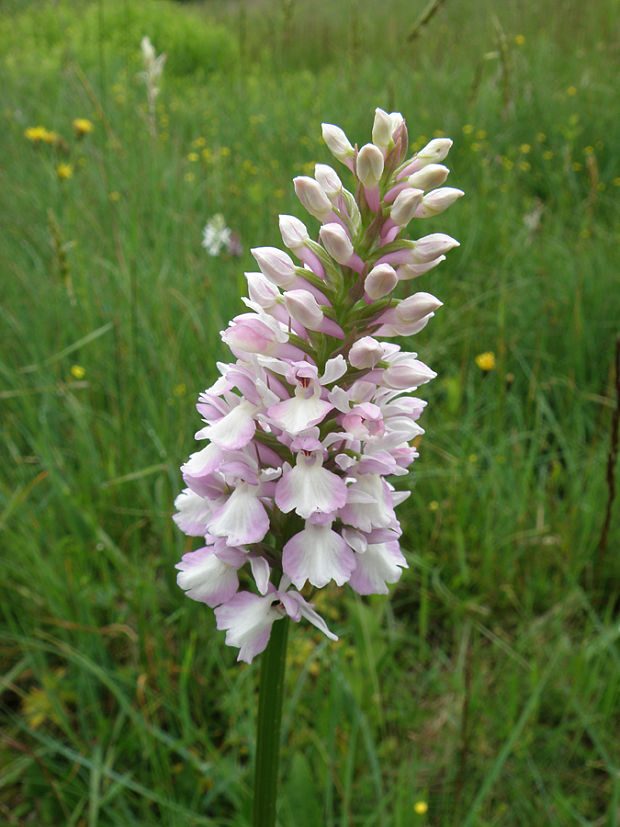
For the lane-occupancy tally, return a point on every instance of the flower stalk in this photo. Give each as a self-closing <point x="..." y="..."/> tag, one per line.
<point x="270" y="699"/>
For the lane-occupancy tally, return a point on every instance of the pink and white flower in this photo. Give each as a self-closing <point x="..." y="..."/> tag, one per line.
<point x="313" y="417"/>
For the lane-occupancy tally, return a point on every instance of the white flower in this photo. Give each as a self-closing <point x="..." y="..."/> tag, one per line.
<point x="216" y="235"/>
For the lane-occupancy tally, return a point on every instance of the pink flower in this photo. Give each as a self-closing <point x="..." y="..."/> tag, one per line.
<point x="318" y="555"/>
<point x="248" y="618"/>
<point x="308" y="488"/>
<point x="313" y="417"/>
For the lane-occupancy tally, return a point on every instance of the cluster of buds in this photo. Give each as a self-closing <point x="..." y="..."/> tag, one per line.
<point x="307" y="427"/>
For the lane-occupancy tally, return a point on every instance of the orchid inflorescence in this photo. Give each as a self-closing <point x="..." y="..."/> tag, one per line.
<point x="315" y="414"/>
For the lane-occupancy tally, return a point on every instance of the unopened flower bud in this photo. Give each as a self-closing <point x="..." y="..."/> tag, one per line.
<point x="304" y="308"/>
<point x="384" y="127"/>
<point x="434" y="151"/>
<point x="431" y="175"/>
<point x="437" y="201"/>
<point x="381" y="280"/>
<point x="369" y="166"/>
<point x="276" y="265"/>
<point x="412" y="271"/>
<point x="397" y="121"/>
<point x="328" y="180"/>
<point x="381" y="129"/>
<point x="261" y="290"/>
<point x="337" y="142"/>
<point x="415" y="307"/>
<point x="365" y="353"/>
<point x="405" y="206"/>
<point x="409" y="316"/>
<point x="431" y="246"/>
<point x="336" y="241"/>
<point x="293" y="231"/>
<point x="250" y="335"/>
<point x="312" y="197"/>
<point x="411" y="374"/>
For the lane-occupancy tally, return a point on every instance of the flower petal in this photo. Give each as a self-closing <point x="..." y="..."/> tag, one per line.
<point x="194" y="513"/>
<point x="234" y="430"/>
<point x="298" y="413"/>
<point x="248" y="619"/>
<point x="380" y="564"/>
<point x="319" y="555"/>
<point x="242" y="518"/>
<point x="206" y="578"/>
<point x="308" y="487"/>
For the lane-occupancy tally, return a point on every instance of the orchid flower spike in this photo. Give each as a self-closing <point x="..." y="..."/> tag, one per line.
<point x="313" y="417"/>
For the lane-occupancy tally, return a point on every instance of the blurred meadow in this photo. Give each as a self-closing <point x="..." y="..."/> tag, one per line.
<point x="485" y="690"/>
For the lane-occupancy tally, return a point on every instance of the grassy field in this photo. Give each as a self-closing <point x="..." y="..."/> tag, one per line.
<point x="485" y="690"/>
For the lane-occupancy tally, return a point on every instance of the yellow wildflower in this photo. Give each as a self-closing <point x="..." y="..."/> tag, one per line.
<point x="82" y="126"/>
<point x="571" y="91"/>
<point x="420" y="807"/>
<point x="39" y="134"/>
<point x="193" y="157"/>
<point x="486" y="360"/>
<point x="50" y="137"/>
<point x="78" y="372"/>
<point x="64" y="171"/>
<point x="35" y="133"/>
<point x="520" y="39"/>
<point x="468" y="129"/>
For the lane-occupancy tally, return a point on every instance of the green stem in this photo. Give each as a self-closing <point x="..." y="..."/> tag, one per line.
<point x="271" y="694"/>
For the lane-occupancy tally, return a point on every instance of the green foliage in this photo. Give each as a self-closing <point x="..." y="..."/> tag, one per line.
<point x="112" y="29"/>
<point x="487" y="686"/>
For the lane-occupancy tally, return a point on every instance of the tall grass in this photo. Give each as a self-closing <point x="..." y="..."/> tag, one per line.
<point x="487" y="686"/>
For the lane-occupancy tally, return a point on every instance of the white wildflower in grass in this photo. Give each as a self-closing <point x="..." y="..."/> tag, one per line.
<point x="314" y="417"/>
<point x="216" y="235"/>
<point x="153" y="68"/>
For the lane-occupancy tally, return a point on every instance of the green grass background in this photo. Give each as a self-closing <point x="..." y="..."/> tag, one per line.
<point x="487" y="685"/>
